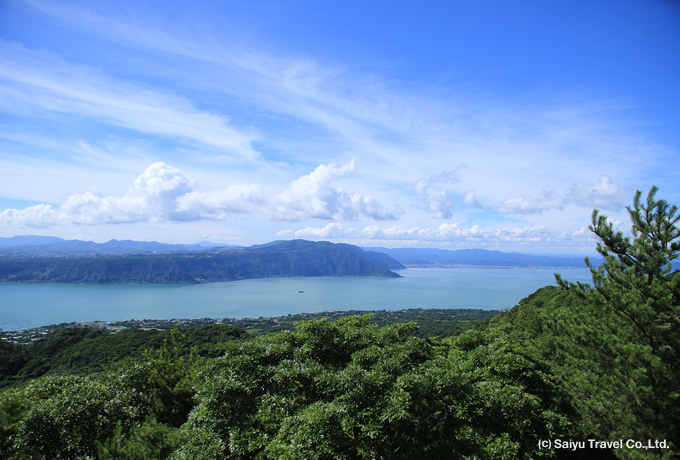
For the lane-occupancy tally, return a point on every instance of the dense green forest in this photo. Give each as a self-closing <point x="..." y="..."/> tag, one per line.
<point x="573" y="371"/>
<point x="81" y="350"/>
<point x="282" y="258"/>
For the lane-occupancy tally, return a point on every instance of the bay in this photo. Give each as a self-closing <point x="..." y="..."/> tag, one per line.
<point x="24" y="306"/>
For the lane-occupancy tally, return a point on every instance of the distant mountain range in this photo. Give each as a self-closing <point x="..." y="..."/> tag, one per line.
<point x="479" y="258"/>
<point x="51" y="245"/>
<point x="36" y="246"/>
<point x="50" y="261"/>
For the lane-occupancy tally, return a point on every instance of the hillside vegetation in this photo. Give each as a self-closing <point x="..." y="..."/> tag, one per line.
<point x="572" y="371"/>
<point x="283" y="258"/>
<point x="80" y="350"/>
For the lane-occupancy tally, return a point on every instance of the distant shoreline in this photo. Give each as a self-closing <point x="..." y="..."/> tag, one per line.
<point x="26" y="336"/>
<point x="496" y="267"/>
<point x="396" y="271"/>
<point x="201" y="281"/>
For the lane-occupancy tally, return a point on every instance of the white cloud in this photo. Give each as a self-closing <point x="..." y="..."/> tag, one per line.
<point x="332" y="230"/>
<point x="581" y="232"/>
<point x="444" y="232"/>
<point x="219" y="204"/>
<point x="524" y="205"/>
<point x="152" y="199"/>
<point x="156" y="193"/>
<point x="38" y="216"/>
<point x="536" y="237"/>
<point x="433" y="193"/>
<point x="470" y="199"/>
<point x="312" y="196"/>
<point x="456" y="231"/>
<point x="435" y="200"/>
<point x="163" y="194"/>
<point x="603" y="194"/>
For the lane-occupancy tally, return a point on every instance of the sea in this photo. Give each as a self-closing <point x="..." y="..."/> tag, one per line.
<point x="25" y="306"/>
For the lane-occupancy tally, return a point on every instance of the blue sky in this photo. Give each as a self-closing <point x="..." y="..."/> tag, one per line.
<point x="489" y="124"/>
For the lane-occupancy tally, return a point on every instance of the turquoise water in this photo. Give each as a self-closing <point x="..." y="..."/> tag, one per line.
<point x="25" y="306"/>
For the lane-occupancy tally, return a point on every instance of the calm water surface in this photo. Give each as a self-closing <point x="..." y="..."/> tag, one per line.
<point x="31" y="305"/>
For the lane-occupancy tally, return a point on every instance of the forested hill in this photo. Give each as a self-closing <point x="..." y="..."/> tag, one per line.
<point x="277" y="259"/>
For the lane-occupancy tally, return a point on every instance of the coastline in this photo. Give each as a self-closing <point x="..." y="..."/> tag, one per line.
<point x="27" y="336"/>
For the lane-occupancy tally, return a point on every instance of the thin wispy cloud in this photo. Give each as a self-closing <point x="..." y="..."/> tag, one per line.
<point x="369" y="114"/>
<point x="38" y="82"/>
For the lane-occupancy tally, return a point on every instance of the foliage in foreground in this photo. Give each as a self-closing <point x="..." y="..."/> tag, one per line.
<point x="329" y="389"/>
<point x="349" y="389"/>
<point x="84" y="351"/>
<point x="74" y="416"/>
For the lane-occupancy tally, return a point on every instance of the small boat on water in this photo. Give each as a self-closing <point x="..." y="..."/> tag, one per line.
<point x="300" y="292"/>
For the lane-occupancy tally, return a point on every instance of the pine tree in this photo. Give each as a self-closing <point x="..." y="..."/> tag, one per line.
<point x="625" y="331"/>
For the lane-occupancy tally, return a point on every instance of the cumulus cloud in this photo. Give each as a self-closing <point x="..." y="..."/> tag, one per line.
<point x="163" y="194"/>
<point x="38" y="216"/>
<point x="152" y="199"/>
<point x="220" y="204"/>
<point x="470" y="199"/>
<point x="603" y="194"/>
<point x="524" y="205"/>
<point x="450" y="233"/>
<point x="444" y="232"/>
<point x="433" y="193"/>
<point x="332" y="230"/>
<point x="312" y="196"/>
